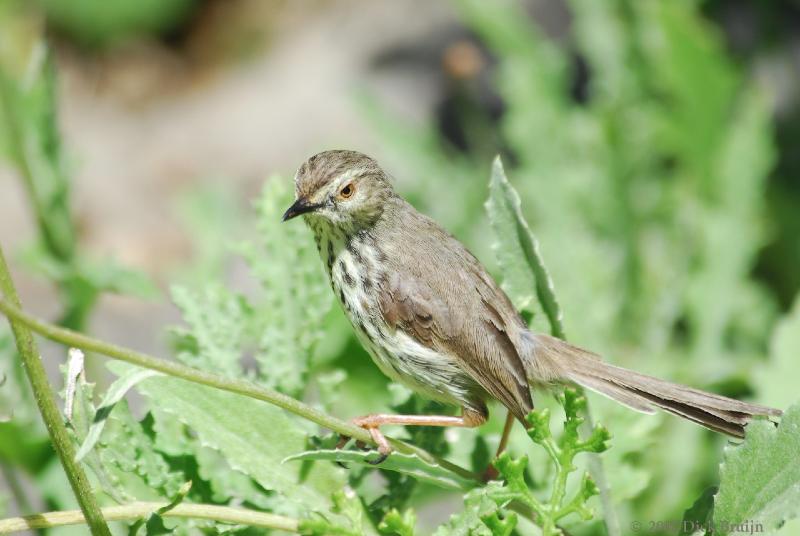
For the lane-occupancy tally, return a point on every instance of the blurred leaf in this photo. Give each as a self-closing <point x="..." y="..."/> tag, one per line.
<point x="211" y="215"/>
<point x="398" y="524"/>
<point x="760" y="479"/>
<point x="409" y="464"/>
<point x="16" y="398"/>
<point x="699" y="515"/>
<point x="21" y="448"/>
<point x="217" y="321"/>
<point x="351" y="520"/>
<point x="296" y="297"/>
<point x="29" y="132"/>
<point x="478" y="504"/>
<point x="689" y="63"/>
<point x="740" y="167"/>
<point x="776" y="378"/>
<point x="518" y="251"/>
<point x="99" y="23"/>
<point x="34" y="146"/>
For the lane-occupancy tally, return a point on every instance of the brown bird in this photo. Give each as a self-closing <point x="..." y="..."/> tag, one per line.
<point x="433" y="319"/>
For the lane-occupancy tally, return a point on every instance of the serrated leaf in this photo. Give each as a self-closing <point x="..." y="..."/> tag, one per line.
<point x="700" y="513"/>
<point x="217" y="320"/>
<point x="478" y="505"/>
<point x="760" y="479"/>
<point x="517" y="251"/>
<point x="398" y="524"/>
<point x="127" y="451"/>
<point x="296" y="296"/>
<point x="253" y="437"/>
<point x="409" y="464"/>
<point x="114" y="394"/>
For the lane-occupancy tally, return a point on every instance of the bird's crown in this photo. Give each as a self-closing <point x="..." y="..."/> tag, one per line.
<point x="346" y="188"/>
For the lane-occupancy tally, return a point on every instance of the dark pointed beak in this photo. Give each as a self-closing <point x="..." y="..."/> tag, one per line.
<point x="301" y="206"/>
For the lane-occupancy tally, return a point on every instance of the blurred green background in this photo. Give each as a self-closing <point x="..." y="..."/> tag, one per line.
<point x="655" y="145"/>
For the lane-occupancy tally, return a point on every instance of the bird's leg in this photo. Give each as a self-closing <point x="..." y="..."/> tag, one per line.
<point x="491" y="472"/>
<point x="372" y="423"/>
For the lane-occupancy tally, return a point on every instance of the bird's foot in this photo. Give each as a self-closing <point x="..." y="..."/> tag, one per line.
<point x="371" y="424"/>
<point x="490" y="474"/>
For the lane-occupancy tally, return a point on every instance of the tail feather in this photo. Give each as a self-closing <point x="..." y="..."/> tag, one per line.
<point x="642" y="392"/>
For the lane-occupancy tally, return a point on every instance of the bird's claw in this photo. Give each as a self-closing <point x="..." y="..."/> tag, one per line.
<point x="384" y="449"/>
<point x="380" y="459"/>
<point x="343" y="441"/>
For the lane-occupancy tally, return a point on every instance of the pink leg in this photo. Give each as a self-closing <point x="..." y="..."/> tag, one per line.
<point x="372" y="424"/>
<point x="491" y="472"/>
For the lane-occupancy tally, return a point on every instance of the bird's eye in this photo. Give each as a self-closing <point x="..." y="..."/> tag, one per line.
<point x="347" y="191"/>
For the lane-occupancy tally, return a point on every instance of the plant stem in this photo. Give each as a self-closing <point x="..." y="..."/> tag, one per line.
<point x="137" y="510"/>
<point x="233" y="385"/>
<point x="46" y="401"/>
<point x="545" y="292"/>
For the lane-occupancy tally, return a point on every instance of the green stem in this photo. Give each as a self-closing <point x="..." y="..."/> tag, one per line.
<point x="233" y="385"/>
<point x="546" y="295"/>
<point x="138" y="510"/>
<point x="563" y="468"/>
<point x="46" y="401"/>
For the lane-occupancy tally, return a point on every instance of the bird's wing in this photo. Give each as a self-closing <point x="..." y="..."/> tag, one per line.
<point x="479" y="340"/>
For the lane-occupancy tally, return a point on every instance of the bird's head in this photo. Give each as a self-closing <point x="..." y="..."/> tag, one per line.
<point x="345" y="189"/>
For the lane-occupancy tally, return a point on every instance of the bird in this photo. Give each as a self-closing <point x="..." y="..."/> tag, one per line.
<point x="432" y="318"/>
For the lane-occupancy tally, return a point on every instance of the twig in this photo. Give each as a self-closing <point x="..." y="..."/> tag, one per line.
<point x="233" y="385"/>
<point x="137" y="510"/>
<point x="52" y="417"/>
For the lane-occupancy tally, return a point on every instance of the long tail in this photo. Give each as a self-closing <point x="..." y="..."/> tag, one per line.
<point x="553" y="359"/>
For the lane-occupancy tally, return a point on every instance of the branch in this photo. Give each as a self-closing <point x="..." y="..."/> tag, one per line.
<point x="138" y="510"/>
<point x="53" y="420"/>
<point x="233" y="385"/>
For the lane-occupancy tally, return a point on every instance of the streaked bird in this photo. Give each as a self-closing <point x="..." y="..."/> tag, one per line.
<point x="433" y="319"/>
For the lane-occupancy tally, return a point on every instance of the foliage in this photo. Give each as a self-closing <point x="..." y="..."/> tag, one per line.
<point x="30" y="143"/>
<point x="760" y="479"/>
<point x="650" y="240"/>
<point x="517" y="251"/>
<point x="29" y="130"/>
<point x="486" y="509"/>
<point x="646" y="193"/>
<point x="97" y="23"/>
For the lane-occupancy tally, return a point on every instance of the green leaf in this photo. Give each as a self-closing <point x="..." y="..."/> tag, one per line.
<point x="760" y="479"/>
<point x="517" y="251"/>
<point x="699" y="515"/>
<point x="154" y="523"/>
<point x="500" y="526"/>
<point x="252" y="436"/>
<point x="409" y="464"/>
<point x="347" y="504"/>
<point x="127" y="452"/>
<point x="21" y="448"/>
<point x="296" y="296"/>
<point x="217" y="320"/>
<point x="114" y="394"/>
<point x="398" y="524"/>
<point x="479" y="505"/>
<point x="777" y="377"/>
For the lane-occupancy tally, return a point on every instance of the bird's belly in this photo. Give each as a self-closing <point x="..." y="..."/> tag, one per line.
<point x="423" y="370"/>
<point x="356" y="283"/>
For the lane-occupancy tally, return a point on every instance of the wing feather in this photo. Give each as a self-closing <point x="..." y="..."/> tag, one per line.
<point x="482" y="346"/>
